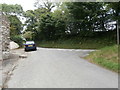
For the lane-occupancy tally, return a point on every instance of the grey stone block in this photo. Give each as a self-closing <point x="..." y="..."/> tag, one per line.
<point x="4" y="37"/>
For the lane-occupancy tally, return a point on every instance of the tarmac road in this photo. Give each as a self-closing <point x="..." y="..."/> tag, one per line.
<point x="60" y="68"/>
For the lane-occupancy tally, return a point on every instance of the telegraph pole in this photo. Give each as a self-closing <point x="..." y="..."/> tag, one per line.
<point x="118" y="41"/>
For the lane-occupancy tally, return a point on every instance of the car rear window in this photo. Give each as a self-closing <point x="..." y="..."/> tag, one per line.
<point x="30" y="42"/>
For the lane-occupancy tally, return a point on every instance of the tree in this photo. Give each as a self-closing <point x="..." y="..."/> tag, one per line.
<point x="47" y="27"/>
<point x="116" y="9"/>
<point x="15" y="25"/>
<point x="36" y="18"/>
<point x="116" y="16"/>
<point x="11" y="9"/>
<point x="71" y="18"/>
<point x="28" y="35"/>
<point x="13" y="12"/>
<point x="32" y="20"/>
<point x="44" y="4"/>
<point x="87" y="15"/>
<point x="61" y="18"/>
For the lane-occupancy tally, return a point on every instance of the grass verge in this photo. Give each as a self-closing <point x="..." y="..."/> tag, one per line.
<point x="106" y="57"/>
<point x="77" y="43"/>
<point x="97" y="41"/>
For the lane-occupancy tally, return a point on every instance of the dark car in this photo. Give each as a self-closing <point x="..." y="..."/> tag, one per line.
<point x="30" y="45"/>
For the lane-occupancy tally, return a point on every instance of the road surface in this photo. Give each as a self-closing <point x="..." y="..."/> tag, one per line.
<point x="60" y="68"/>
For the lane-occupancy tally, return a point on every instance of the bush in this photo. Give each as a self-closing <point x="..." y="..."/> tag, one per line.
<point x="17" y="39"/>
<point x="86" y="33"/>
<point x="28" y="35"/>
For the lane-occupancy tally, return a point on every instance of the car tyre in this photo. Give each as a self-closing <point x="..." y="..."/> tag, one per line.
<point x="26" y="50"/>
<point x="35" y="49"/>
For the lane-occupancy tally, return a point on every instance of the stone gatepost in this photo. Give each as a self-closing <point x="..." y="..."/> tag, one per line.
<point x="0" y="37"/>
<point x="4" y="37"/>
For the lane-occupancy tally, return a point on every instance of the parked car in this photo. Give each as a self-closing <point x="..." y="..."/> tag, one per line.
<point x="30" y="45"/>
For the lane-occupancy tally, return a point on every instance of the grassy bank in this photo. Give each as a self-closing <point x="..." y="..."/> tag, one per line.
<point x="71" y="45"/>
<point x="106" y="57"/>
<point x="85" y="43"/>
<point x="99" y="40"/>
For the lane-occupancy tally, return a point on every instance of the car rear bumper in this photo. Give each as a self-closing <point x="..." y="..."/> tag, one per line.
<point x="30" y="48"/>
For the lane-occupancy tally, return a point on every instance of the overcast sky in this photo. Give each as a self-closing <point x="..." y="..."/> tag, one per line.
<point x="26" y="4"/>
<point x="29" y="4"/>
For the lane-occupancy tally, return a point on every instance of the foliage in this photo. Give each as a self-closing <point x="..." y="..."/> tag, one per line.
<point x="44" y="25"/>
<point x="116" y="9"/>
<point x="47" y="27"/>
<point x="87" y="15"/>
<point x="17" y="39"/>
<point x="61" y="21"/>
<point x="71" y="18"/>
<point x="13" y="12"/>
<point x="28" y="35"/>
<point x="32" y="20"/>
<point x="11" y="9"/>
<point x="46" y="4"/>
<point x="15" y="25"/>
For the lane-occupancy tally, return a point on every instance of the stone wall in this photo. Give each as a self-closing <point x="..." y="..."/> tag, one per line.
<point x="4" y="37"/>
<point x="0" y="38"/>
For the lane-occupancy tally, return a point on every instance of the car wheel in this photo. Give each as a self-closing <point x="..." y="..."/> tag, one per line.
<point x="26" y="50"/>
<point x="35" y="49"/>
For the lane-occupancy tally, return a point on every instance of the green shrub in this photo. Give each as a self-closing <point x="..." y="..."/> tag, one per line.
<point x="17" y="39"/>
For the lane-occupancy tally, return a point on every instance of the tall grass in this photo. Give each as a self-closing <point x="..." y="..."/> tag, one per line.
<point x="106" y="57"/>
<point x="97" y="41"/>
<point x="77" y="43"/>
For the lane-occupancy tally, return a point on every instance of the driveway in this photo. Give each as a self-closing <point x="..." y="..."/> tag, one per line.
<point x="60" y="68"/>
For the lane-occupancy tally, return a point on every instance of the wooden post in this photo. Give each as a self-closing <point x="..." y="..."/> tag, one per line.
<point x="118" y="42"/>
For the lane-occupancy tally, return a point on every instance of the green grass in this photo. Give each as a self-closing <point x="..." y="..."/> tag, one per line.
<point x="106" y="57"/>
<point x="99" y="40"/>
<point x="77" y="43"/>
